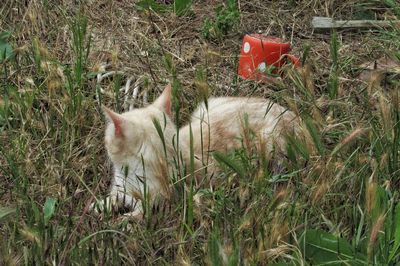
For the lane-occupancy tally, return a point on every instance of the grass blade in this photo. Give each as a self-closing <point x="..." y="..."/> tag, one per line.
<point x="181" y="6"/>
<point x="394" y="253"/>
<point x="213" y="249"/>
<point x="315" y="135"/>
<point x="160" y="133"/>
<point x="5" y="212"/>
<point x="223" y="159"/>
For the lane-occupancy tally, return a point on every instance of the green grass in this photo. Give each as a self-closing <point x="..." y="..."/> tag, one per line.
<point x="336" y="202"/>
<point x="226" y="19"/>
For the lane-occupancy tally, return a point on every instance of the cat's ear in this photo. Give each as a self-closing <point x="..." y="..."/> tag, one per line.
<point x="116" y="119"/>
<point x="163" y="102"/>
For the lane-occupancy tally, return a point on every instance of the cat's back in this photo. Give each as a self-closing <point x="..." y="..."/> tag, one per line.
<point x="223" y="121"/>
<point x="231" y="107"/>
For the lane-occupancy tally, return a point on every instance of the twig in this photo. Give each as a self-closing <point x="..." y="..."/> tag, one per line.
<point x="325" y="23"/>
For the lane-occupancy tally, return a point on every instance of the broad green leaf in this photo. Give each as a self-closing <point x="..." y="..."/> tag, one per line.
<point x="395" y="250"/>
<point x="48" y="209"/>
<point x="324" y="248"/>
<point x="4" y="35"/>
<point x="5" y="212"/>
<point x="6" y="51"/>
<point x="235" y="166"/>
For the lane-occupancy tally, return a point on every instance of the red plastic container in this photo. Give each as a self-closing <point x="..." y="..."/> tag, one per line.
<point x="259" y="51"/>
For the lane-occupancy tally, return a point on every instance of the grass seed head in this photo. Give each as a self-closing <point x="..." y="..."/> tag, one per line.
<point x="383" y="162"/>
<point x="352" y="136"/>
<point x="370" y="198"/>
<point x="183" y="259"/>
<point x="30" y="235"/>
<point x="355" y="134"/>
<point x="10" y="260"/>
<point x="21" y="50"/>
<point x="308" y="79"/>
<point x="319" y="192"/>
<point x="275" y="253"/>
<point x="375" y="232"/>
<point x="316" y="115"/>
<point x="292" y="104"/>
<point x="386" y="119"/>
<point x="279" y="231"/>
<point x="374" y="83"/>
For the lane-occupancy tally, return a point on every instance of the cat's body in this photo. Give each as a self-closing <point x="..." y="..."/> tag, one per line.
<point x="228" y="121"/>
<point x="137" y="151"/>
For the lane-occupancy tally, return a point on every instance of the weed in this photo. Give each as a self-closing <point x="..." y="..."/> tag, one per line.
<point x="226" y="19"/>
<point x="6" y="51"/>
<point x="179" y="7"/>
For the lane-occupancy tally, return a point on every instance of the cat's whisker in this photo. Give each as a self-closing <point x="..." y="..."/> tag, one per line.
<point x="108" y="74"/>
<point x="135" y="92"/>
<point x="126" y="91"/>
<point x="102" y="69"/>
<point x="145" y="98"/>
<point x="101" y="76"/>
<point x="128" y="104"/>
<point x="99" y="89"/>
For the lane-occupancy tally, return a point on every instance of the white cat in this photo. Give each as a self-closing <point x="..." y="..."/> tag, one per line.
<point x="142" y="158"/>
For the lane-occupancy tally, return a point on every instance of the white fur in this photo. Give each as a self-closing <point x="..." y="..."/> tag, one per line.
<point x="140" y="147"/>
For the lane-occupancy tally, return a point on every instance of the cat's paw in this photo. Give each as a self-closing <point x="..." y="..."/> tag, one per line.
<point x="135" y="215"/>
<point x="105" y="205"/>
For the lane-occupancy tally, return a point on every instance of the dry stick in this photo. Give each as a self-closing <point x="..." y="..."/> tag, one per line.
<point x="159" y="41"/>
<point x="150" y="17"/>
<point x="85" y="210"/>
<point x="155" y="30"/>
<point x="153" y="76"/>
<point x="325" y="23"/>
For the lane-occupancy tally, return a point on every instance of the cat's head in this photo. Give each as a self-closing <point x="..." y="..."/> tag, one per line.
<point x="130" y="134"/>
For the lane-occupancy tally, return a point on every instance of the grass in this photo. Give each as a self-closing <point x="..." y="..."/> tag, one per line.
<point x="336" y="202"/>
